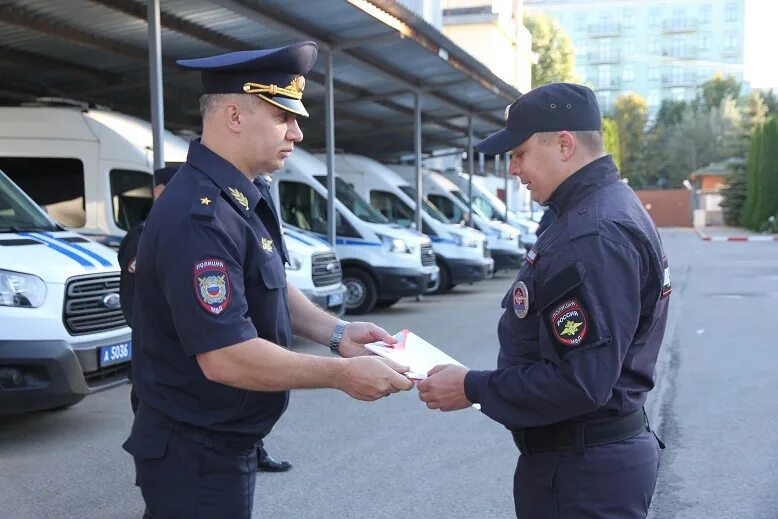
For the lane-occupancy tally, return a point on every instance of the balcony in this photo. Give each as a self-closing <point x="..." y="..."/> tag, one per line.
<point x="613" y="84"/>
<point x="604" y="30"/>
<point x="679" y="25"/>
<point x="597" y="58"/>
<point x="686" y="52"/>
<point x="686" y="80"/>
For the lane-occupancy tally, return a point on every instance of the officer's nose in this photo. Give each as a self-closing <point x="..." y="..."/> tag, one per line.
<point x="293" y="131"/>
<point x="514" y="167"/>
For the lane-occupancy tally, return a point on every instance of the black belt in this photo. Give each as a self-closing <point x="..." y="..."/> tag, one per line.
<point x="578" y="436"/>
<point x="228" y="443"/>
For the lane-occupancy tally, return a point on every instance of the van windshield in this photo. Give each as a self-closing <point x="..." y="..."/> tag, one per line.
<point x="356" y="204"/>
<point x="430" y="209"/>
<point x="17" y="213"/>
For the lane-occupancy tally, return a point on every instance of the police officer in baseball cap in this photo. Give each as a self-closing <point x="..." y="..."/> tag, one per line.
<point x="582" y="322"/>
<point x="214" y="314"/>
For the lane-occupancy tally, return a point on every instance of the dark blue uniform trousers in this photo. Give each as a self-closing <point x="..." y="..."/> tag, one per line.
<point x="613" y="481"/>
<point x="185" y="472"/>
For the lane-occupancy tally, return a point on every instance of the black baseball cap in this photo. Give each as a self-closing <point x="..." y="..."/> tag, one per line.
<point x="553" y="107"/>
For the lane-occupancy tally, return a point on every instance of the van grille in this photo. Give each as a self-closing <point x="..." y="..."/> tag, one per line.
<point x="487" y="250"/>
<point x="427" y="256"/>
<point x="326" y="269"/>
<point x="85" y="311"/>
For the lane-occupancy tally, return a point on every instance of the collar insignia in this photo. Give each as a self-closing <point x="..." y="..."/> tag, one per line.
<point x="267" y="244"/>
<point x="240" y="198"/>
<point x="205" y="200"/>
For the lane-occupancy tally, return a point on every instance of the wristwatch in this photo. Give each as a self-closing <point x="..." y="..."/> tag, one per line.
<point x="337" y="334"/>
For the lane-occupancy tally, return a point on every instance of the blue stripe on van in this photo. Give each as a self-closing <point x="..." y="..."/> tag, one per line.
<point x="345" y="241"/>
<point x="438" y="239"/>
<point x="104" y="262"/>
<point x="53" y="246"/>
<point x="297" y="237"/>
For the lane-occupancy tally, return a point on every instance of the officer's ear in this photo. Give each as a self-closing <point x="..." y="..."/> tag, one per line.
<point x="566" y="144"/>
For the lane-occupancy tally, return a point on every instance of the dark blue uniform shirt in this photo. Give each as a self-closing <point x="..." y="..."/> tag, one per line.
<point x="128" y="249"/>
<point x="585" y="318"/>
<point x="209" y="274"/>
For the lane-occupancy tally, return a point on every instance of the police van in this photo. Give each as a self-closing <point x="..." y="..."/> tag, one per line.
<point x="489" y="206"/>
<point x="92" y="171"/>
<point x="462" y="253"/>
<point x="381" y="262"/>
<point x="504" y="240"/>
<point x="63" y="332"/>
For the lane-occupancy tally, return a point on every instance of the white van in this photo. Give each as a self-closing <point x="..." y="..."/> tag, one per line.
<point x="504" y="240"/>
<point x="488" y="205"/>
<point x="315" y="270"/>
<point x="63" y="332"/>
<point x="462" y="252"/>
<point x="92" y="171"/>
<point x="381" y="262"/>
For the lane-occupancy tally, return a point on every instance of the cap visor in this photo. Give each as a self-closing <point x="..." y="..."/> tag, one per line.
<point x="501" y="141"/>
<point x="290" y="105"/>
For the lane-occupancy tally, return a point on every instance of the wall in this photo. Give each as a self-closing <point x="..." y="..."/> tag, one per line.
<point x="668" y="207"/>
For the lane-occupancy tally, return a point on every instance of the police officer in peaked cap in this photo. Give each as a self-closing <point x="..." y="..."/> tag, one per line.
<point x="582" y="323"/>
<point x="214" y="314"/>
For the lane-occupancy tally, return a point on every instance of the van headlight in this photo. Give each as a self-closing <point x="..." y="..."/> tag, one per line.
<point x="295" y="262"/>
<point x="394" y="244"/>
<point x="23" y="290"/>
<point x="461" y="241"/>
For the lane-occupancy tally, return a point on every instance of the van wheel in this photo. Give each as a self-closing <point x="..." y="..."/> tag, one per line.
<point x="361" y="291"/>
<point x="386" y="303"/>
<point x="445" y="279"/>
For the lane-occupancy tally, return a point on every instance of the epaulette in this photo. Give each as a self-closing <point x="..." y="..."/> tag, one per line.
<point x="206" y="194"/>
<point x="583" y="221"/>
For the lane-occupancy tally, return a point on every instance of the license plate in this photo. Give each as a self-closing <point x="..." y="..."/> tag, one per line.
<point x="115" y="354"/>
<point x="434" y="276"/>
<point x="335" y="299"/>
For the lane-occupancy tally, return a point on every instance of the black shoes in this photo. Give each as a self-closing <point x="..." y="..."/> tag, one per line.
<point x="266" y="463"/>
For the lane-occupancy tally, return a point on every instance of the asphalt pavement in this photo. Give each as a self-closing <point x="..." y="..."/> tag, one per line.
<point x="713" y="406"/>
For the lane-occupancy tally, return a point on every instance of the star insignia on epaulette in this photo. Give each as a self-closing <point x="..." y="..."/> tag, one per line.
<point x="240" y="198"/>
<point x="267" y="244"/>
<point x="205" y="200"/>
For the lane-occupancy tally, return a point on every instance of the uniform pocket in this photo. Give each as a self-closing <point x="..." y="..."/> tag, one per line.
<point x="148" y="444"/>
<point x="272" y="272"/>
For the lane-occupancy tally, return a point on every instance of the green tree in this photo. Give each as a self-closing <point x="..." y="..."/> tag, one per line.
<point x="734" y="195"/>
<point x="556" y="56"/>
<point x="714" y="91"/>
<point x="629" y="112"/>
<point x="610" y="138"/>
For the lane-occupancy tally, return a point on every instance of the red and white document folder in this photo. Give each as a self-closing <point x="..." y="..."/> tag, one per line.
<point x="414" y="352"/>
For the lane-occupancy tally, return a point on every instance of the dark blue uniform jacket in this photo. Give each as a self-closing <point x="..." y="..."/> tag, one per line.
<point x="594" y="289"/>
<point x="209" y="274"/>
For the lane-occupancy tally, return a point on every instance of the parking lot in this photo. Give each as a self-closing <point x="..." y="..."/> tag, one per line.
<point x="395" y="458"/>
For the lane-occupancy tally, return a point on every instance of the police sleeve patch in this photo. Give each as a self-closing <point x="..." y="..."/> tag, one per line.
<point x="212" y="285"/>
<point x="569" y="323"/>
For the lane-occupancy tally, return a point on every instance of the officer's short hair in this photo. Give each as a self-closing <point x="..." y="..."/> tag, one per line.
<point x="208" y="102"/>
<point x="590" y="140"/>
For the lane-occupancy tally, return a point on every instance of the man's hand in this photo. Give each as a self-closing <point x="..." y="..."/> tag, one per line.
<point x="444" y="388"/>
<point x="357" y="334"/>
<point x="370" y="378"/>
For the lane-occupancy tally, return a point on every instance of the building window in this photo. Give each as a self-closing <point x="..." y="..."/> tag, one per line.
<point x="653" y="16"/>
<point x="653" y="98"/>
<point x="606" y="102"/>
<point x="730" y="13"/>
<point x="653" y="73"/>
<point x="629" y="72"/>
<point x="604" y="49"/>
<point x="678" y="94"/>
<point x="629" y="18"/>
<point x="705" y="41"/>
<point x="678" y="47"/>
<point x="653" y="45"/>
<point x="604" y="76"/>
<point x="730" y="40"/>
<point x="628" y="46"/>
<point x="706" y="13"/>
<point x="582" y="23"/>
<point x="677" y="75"/>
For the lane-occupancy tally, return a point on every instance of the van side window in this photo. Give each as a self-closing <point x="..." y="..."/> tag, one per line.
<point x="54" y="183"/>
<point x="390" y="205"/>
<point x="447" y="207"/>
<point x="305" y="208"/>
<point x="131" y="197"/>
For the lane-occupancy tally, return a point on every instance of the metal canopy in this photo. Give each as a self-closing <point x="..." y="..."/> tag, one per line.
<point x="383" y="55"/>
